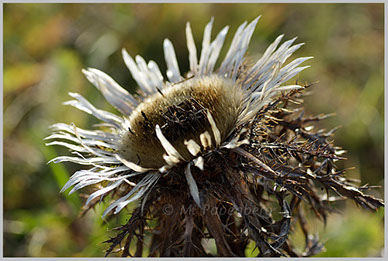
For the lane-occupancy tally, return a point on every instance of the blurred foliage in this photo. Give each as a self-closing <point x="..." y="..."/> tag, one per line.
<point x="47" y="45"/>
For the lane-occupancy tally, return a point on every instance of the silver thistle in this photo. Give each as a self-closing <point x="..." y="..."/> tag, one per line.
<point x="180" y="127"/>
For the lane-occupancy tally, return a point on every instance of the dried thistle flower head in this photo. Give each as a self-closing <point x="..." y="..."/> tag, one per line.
<point x="196" y="111"/>
<point x="209" y="154"/>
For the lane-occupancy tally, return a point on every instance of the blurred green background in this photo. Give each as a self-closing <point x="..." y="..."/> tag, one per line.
<point x="47" y="45"/>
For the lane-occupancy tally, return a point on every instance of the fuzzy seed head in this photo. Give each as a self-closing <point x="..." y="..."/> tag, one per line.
<point x="181" y="112"/>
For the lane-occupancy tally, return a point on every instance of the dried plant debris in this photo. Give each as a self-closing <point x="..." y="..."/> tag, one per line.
<point x="284" y="166"/>
<point x="224" y="154"/>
